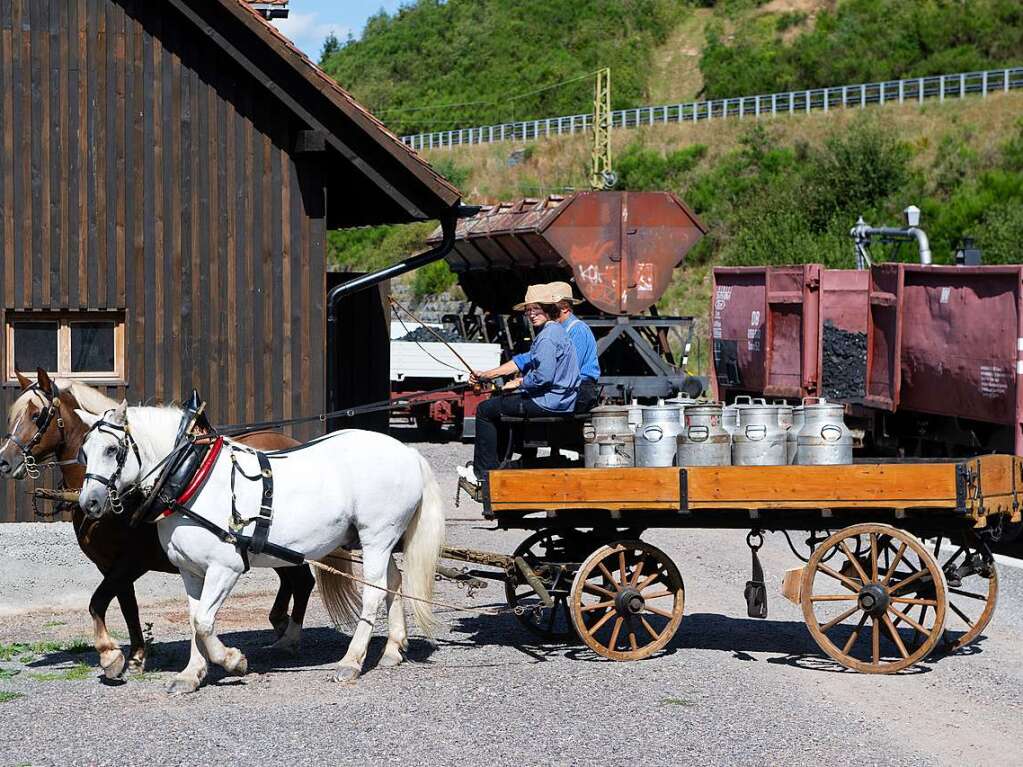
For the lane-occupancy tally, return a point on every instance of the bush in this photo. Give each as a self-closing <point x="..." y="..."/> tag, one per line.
<point x="432" y="279"/>
<point x="641" y="169"/>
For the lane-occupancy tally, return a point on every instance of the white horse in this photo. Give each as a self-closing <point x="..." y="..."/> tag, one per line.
<point x="350" y="486"/>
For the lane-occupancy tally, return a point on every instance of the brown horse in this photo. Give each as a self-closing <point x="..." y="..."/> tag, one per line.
<point x="41" y="423"/>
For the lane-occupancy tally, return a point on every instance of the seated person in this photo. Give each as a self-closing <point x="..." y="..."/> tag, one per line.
<point x="583" y="342"/>
<point x="548" y="386"/>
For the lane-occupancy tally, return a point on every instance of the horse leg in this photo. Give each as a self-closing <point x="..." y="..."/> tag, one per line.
<point x="302" y="583"/>
<point x="279" y="611"/>
<point x="111" y="659"/>
<point x="217" y="585"/>
<point x="374" y="571"/>
<point x="192" y="675"/>
<point x="130" y="610"/>
<point x="397" y="634"/>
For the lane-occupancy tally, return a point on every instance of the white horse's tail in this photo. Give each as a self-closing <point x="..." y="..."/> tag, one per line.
<point x="341" y="595"/>
<point x="423" y="541"/>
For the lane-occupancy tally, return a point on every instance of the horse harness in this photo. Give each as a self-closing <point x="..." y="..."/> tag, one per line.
<point x="183" y="475"/>
<point x="42" y="420"/>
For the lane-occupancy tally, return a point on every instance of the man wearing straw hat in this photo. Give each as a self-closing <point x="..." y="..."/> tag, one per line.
<point x="583" y="342"/>
<point x="549" y="382"/>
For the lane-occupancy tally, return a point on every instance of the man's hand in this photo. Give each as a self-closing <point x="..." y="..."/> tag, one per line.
<point x="515" y="383"/>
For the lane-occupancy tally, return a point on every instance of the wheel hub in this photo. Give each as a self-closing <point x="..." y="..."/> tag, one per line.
<point x="873" y="600"/>
<point x="629" y="601"/>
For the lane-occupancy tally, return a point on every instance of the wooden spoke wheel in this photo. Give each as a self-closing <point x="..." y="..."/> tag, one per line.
<point x="554" y="557"/>
<point x="627" y="600"/>
<point x="972" y="581"/>
<point x="858" y="591"/>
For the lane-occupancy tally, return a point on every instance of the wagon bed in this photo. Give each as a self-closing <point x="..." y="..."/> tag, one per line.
<point x="878" y="591"/>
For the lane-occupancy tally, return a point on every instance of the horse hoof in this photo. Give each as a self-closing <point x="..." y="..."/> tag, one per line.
<point x="284" y="645"/>
<point x="346" y="675"/>
<point x="280" y="626"/>
<point x="235" y="663"/>
<point x="182" y="686"/>
<point x="112" y="663"/>
<point x="390" y="661"/>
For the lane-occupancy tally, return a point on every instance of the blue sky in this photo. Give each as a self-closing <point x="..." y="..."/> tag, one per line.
<point x="311" y="20"/>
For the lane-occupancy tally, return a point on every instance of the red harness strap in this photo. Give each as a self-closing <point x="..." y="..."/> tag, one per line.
<point x="200" y="477"/>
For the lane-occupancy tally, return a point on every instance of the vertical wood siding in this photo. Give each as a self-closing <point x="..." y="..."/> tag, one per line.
<point x="141" y="169"/>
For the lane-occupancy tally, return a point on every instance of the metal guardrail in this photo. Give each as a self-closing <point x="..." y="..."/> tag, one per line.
<point x="917" y="89"/>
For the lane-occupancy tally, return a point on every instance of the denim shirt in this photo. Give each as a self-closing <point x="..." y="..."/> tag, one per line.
<point x="550" y="370"/>
<point x="585" y="347"/>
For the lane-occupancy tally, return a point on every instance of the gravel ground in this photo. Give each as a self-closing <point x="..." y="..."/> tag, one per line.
<point x="728" y="689"/>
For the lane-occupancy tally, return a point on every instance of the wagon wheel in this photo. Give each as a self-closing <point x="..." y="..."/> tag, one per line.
<point x="627" y="600"/>
<point x="553" y="556"/>
<point x="972" y="580"/>
<point x="879" y="574"/>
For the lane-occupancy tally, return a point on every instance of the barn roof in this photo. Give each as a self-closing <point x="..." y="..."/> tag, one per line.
<point x="372" y="177"/>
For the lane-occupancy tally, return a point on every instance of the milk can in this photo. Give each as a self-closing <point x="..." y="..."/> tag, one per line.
<point x="784" y="415"/>
<point x="656" y="437"/>
<point x="824" y="438"/>
<point x="759" y="440"/>
<point x="635" y="415"/>
<point x="683" y="401"/>
<point x="607" y="422"/>
<point x="610" y="454"/>
<point x="730" y="418"/>
<point x="704" y="441"/>
<point x="792" y="435"/>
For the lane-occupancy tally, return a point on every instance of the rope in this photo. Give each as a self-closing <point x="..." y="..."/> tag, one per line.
<point x="432" y="602"/>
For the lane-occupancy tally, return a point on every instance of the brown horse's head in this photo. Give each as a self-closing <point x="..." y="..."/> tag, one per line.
<point x="40" y="424"/>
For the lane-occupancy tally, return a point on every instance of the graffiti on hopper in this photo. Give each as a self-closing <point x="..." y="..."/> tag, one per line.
<point x="721" y="298"/>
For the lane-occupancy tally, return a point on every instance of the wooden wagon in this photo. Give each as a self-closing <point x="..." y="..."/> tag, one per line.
<point x="896" y="563"/>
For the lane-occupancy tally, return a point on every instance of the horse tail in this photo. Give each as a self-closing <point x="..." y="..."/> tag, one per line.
<point x="423" y="541"/>
<point x="341" y="595"/>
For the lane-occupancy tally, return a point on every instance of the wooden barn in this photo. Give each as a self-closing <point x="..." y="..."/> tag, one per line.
<point x="168" y="172"/>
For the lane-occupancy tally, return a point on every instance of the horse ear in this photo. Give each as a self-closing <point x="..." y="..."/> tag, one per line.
<point x="44" y="381"/>
<point x="120" y="414"/>
<point x="89" y="419"/>
<point x="25" y="383"/>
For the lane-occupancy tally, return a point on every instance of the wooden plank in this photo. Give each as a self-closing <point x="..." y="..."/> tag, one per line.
<point x="217" y="237"/>
<point x="39" y="228"/>
<point x="92" y="256"/>
<point x="776" y="486"/>
<point x="64" y="173"/>
<point x="269" y="340"/>
<point x="155" y="292"/>
<point x="80" y="280"/>
<point x="285" y="287"/>
<point x="233" y="189"/>
<point x="173" y="184"/>
<point x="246" y="295"/>
<point x="192" y="372"/>
<point x="544" y="489"/>
<point x="278" y="385"/>
<point x="99" y="114"/>
<point x="256" y="283"/>
<point x="41" y="128"/>
<point x="10" y="164"/>
<point x="116" y="296"/>
<point x="144" y="309"/>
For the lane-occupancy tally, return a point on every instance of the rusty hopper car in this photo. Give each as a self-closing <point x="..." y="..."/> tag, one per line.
<point x="925" y="358"/>
<point x="619" y="248"/>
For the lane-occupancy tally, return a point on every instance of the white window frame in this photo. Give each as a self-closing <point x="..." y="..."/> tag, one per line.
<point x="65" y="321"/>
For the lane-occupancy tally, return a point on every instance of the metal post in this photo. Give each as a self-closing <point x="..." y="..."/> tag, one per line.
<point x="941" y="91"/>
<point x="1005" y="74"/>
<point x="881" y="86"/>
<point x="826" y="99"/>
<point x="920" y="90"/>
<point x="774" y="104"/>
<point x="983" y="83"/>
<point x="962" y="85"/>
<point x="902" y="91"/>
<point x="845" y="100"/>
<point x="807" y="95"/>
<point x="792" y="102"/>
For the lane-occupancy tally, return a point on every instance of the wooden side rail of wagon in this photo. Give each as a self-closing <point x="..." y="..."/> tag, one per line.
<point x="874" y="595"/>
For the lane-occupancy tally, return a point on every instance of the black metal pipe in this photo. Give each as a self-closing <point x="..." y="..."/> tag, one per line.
<point x="338" y="292"/>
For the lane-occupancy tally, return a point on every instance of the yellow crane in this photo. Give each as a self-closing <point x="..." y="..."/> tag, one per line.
<point x="601" y="174"/>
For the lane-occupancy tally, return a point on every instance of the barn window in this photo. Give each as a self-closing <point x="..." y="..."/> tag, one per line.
<point x="82" y="345"/>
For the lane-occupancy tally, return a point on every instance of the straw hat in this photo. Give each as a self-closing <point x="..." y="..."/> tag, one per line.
<point x="562" y="291"/>
<point x="536" y="294"/>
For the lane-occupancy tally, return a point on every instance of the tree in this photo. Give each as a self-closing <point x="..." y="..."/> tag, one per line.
<point x="330" y="46"/>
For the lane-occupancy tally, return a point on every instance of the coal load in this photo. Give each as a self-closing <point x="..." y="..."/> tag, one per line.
<point x="423" y="335"/>
<point x="844" y="364"/>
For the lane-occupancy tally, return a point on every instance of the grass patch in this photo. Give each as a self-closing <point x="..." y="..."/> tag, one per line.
<point x="677" y="702"/>
<point x="53" y="624"/>
<point x="27" y="651"/>
<point x="7" y="697"/>
<point x="74" y="674"/>
<point x="8" y="673"/>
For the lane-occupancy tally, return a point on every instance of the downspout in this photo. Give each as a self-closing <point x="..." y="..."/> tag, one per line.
<point x="339" y="292"/>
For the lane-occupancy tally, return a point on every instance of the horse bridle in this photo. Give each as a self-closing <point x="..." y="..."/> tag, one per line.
<point x="106" y="427"/>
<point x="42" y="420"/>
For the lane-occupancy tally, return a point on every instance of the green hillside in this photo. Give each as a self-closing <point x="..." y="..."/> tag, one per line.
<point x="778" y="191"/>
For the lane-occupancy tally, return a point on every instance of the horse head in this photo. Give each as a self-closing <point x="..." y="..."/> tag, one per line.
<point x="111" y="458"/>
<point x="35" y="426"/>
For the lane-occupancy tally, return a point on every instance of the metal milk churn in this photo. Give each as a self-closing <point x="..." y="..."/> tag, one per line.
<point x="784" y="415"/>
<point x="610" y="454"/>
<point x="824" y="438"/>
<point x="704" y="441"/>
<point x="656" y="436"/>
<point x="759" y="440"/>
<point x="683" y="402"/>
<point x="607" y="422"/>
<point x="792" y="435"/>
<point x="730" y="418"/>
<point x="635" y="415"/>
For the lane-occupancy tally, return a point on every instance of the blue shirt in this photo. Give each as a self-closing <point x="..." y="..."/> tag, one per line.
<point x="550" y="371"/>
<point x="585" y="347"/>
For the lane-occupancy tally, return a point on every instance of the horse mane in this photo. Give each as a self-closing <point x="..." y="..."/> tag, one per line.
<point x="154" y="428"/>
<point x="88" y="398"/>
